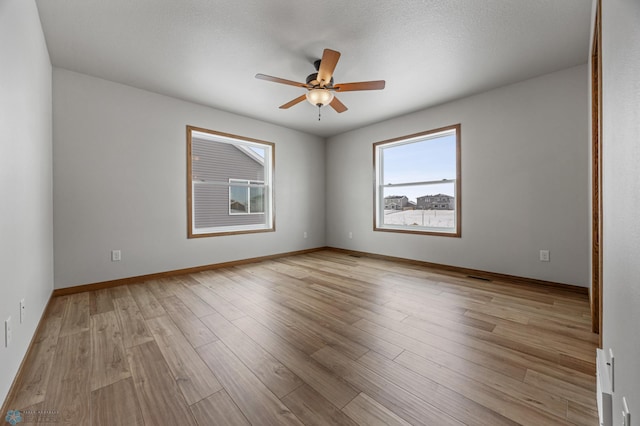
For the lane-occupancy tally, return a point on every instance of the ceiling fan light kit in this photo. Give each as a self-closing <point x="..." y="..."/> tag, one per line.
<point x="319" y="97"/>
<point x="320" y="87"/>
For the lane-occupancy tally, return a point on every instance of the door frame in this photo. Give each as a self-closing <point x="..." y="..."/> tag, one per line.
<point x="596" y="174"/>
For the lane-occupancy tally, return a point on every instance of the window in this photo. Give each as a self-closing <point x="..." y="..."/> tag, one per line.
<point x="230" y="184"/>
<point x="246" y="197"/>
<point x="424" y="170"/>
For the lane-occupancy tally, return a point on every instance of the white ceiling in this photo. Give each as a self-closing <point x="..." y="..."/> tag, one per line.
<point x="208" y="51"/>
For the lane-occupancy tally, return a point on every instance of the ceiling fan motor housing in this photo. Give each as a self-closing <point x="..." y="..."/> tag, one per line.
<point x="312" y="79"/>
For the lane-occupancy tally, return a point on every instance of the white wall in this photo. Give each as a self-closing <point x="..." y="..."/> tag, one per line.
<point x="119" y="166"/>
<point x="524" y="182"/>
<point x="26" y="246"/>
<point x="621" y="197"/>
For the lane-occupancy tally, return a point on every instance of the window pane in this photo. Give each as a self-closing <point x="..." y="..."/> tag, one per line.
<point x="256" y="199"/>
<point x="427" y="160"/>
<point x="238" y="201"/>
<point x="418" y="183"/>
<point x="221" y="170"/>
<point x="429" y="206"/>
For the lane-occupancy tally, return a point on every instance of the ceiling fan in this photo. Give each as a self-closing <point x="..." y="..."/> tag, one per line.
<point x="320" y="86"/>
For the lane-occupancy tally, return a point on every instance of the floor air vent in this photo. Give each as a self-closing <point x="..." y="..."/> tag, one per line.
<point x="475" y="277"/>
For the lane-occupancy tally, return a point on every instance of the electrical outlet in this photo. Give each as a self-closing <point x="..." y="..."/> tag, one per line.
<point x="305" y="234"/>
<point x="350" y="235"/>
<point x="23" y="311"/>
<point x="116" y="255"/>
<point x="8" y="333"/>
<point x="544" y="255"/>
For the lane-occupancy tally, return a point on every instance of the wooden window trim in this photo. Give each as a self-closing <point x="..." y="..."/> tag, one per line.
<point x="596" y="174"/>
<point x="458" y="214"/>
<point x="190" y="233"/>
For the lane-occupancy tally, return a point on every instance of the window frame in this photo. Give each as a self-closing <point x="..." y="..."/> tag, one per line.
<point x="248" y="184"/>
<point x="378" y="187"/>
<point x="269" y="224"/>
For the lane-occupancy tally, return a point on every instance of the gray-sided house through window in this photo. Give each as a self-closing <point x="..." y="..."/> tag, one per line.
<point x="230" y="184"/>
<point x="417" y="183"/>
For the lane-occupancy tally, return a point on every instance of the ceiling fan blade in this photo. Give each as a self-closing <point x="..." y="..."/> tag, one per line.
<point x="280" y="80"/>
<point x="362" y="85"/>
<point x="327" y="65"/>
<point x="337" y="105"/>
<point x="294" y="102"/>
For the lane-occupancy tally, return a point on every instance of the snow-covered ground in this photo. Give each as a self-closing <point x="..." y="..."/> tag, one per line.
<point x="430" y="218"/>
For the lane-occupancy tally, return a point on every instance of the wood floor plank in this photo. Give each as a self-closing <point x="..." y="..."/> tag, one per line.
<point x="121" y="395"/>
<point x="221" y="306"/>
<point x="330" y="386"/>
<point x="193" y="329"/>
<point x="458" y="406"/>
<point x="301" y="291"/>
<point x="75" y="318"/>
<point x="161" y="402"/>
<point x="120" y="291"/>
<point x="163" y="287"/>
<point x="285" y="327"/>
<point x="132" y="324"/>
<point x="57" y="306"/>
<point x="325" y="325"/>
<point x="570" y="391"/>
<point x="444" y="314"/>
<point x="309" y="327"/>
<point x="316" y="325"/>
<point x="278" y="378"/>
<point x="100" y="301"/>
<point x="32" y="383"/>
<point x="444" y="351"/>
<point x="221" y="287"/>
<point x="195" y="379"/>
<point x="256" y="402"/>
<point x="313" y="409"/>
<point x="365" y="304"/>
<point x="297" y="298"/>
<point x="529" y="395"/>
<point x="149" y="306"/>
<point x="500" y="402"/>
<point x="570" y="346"/>
<point x="198" y="306"/>
<point x="68" y="387"/>
<point x="401" y="402"/>
<point x="220" y="410"/>
<point x="108" y="359"/>
<point x="283" y="268"/>
<point x="313" y="339"/>
<point x="368" y="412"/>
<point x="513" y="360"/>
<point x="479" y="338"/>
<point x="581" y="414"/>
<point x="562" y="328"/>
<point x="354" y="334"/>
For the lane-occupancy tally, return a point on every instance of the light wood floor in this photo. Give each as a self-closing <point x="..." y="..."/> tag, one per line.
<point x="317" y="339"/>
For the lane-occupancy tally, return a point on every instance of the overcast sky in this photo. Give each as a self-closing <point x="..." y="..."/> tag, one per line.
<point x="432" y="159"/>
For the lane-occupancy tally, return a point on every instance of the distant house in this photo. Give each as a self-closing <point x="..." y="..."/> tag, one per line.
<point x="396" y="202"/>
<point x="436" y="202"/>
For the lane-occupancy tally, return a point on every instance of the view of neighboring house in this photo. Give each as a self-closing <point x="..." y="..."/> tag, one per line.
<point x="220" y="205"/>
<point x="436" y="202"/>
<point x="396" y="202"/>
<point x="426" y="202"/>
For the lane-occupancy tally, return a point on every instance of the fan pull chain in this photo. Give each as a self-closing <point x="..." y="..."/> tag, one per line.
<point x="319" y="106"/>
